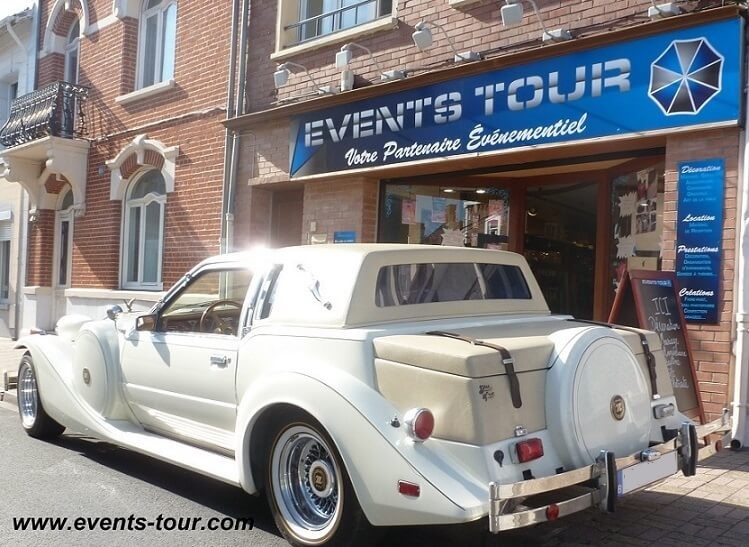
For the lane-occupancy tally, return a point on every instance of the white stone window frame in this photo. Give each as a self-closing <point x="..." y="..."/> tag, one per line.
<point x="120" y="187"/>
<point x="54" y="43"/>
<point x="159" y="11"/>
<point x="63" y="215"/>
<point x="287" y="44"/>
<point x="142" y="203"/>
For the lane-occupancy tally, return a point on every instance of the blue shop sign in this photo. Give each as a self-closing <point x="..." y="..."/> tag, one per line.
<point x="344" y="237"/>
<point x="689" y="77"/>
<point x="699" y="235"/>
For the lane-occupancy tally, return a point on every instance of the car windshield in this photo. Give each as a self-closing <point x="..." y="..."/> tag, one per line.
<point x="403" y="284"/>
<point x="209" y="288"/>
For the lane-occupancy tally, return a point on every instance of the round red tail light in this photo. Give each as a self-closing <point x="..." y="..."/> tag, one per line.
<point x="552" y="512"/>
<point x="420" y="423"/>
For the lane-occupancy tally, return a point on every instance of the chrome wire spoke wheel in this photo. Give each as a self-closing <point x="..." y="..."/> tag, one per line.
<point x="28" y="395"/>
<point x="307" y="483"/>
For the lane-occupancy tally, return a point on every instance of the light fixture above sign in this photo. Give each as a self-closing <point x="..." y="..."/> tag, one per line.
<point x="283" y="71"/>
<point x="343" y="59"/>
<point x="423" y="39"/>
<point x="512" y="14"/>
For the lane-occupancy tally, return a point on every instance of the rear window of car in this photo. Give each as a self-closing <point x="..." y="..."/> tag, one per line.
<point x="403" y="284"/>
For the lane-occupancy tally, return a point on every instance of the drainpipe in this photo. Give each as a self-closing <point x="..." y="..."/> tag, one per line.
<point x="741" y="344"/>
<point x="241" y="108"/>
<point x="230" y="113"/>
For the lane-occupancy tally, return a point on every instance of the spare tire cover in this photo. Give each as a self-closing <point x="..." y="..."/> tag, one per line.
<point x="597" y="397"/>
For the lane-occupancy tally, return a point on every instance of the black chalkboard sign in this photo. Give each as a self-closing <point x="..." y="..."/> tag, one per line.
<point x="650" y="300"/>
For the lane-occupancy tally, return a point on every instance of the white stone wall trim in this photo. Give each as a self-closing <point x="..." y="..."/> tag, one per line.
<point x="125" y="8"/>
<point x="54" y="43"/>
<point x="139" y="145"/>
<point x="116" y="295"/>
<point x="145" y="92"/>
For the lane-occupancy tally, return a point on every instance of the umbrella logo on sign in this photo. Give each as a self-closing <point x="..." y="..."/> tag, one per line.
<point x="686" y="76"/>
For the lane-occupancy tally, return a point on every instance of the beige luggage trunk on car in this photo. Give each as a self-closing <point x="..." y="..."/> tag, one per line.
<point x="466" y="386"/>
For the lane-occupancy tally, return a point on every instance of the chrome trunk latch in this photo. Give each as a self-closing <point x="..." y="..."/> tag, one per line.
<point x="649" y="455"/>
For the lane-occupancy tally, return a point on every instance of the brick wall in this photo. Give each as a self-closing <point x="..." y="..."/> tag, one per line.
<point x="476" y="26"/>
<point x="188" y="115"/>
<point x="40" y="250"/>
<point x="349" y="204"/>
<point x="710" y="344"/>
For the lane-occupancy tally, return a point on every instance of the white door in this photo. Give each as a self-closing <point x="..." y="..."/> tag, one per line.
<point x="179" y="377"/>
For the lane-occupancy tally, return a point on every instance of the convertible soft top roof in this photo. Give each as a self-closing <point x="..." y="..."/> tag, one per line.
<point x="347" y="276"/>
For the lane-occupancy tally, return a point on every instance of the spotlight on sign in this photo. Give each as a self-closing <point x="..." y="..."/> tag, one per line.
<point x="283" y="71"/>
<point x="343" y="59"/>
<point x="423" y="39"/>
<point x="512" y="14"/>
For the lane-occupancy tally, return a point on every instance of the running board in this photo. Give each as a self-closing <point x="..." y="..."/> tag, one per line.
<point x="205" y="462"/>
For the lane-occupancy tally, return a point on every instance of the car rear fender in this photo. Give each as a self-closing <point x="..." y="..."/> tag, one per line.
<point x="376" y="454"/>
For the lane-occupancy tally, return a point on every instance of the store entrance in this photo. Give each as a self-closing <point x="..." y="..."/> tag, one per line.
<point x="560" y="244"/>
<point x="579" y="224"/>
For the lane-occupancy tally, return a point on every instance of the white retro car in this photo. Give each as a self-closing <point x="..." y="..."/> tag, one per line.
<point x="372" y="385"/>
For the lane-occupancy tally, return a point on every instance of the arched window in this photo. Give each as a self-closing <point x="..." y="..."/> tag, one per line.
<point x="143" y="230"/>
<point x="64" y="238"/>
<point x="157" y="38"/>
<point x="72" y="49"/>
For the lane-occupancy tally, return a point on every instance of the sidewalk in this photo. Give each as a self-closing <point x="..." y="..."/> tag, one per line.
<point x="9" y="359"/>
<point x="711" y="508"/>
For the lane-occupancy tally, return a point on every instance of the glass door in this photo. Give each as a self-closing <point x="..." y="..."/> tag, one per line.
<point x="560" y="244"/>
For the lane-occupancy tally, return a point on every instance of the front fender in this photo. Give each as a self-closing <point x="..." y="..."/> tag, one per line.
<point x="376" y="454"/>
<point x="53" y="363"/>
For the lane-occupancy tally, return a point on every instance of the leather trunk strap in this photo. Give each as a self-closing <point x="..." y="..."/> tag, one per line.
<point x="507" y="361"/>
<point x="649" y="357"/>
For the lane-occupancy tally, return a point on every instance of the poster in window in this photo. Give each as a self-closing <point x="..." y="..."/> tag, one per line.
<point x="439" y="206"/>
<point x="408" y="211"/>
<point x="496" y="207"/>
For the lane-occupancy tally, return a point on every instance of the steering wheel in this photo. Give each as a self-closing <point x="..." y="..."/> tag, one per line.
<point x="219" y="324"/>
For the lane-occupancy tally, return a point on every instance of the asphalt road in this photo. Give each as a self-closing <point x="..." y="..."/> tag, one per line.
<point x="79" y="477"/>
<point x="76" y="477"/>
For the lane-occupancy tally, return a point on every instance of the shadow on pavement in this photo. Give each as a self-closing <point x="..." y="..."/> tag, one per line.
<point x="711" y="508"/>
<point x="222" y="498"/>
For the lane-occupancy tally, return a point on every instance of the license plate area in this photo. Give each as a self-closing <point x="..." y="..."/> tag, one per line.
<point x="641" y="474"/>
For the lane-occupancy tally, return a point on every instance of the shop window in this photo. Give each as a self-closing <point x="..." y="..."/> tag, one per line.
<point x="143" y="231"/>
<point x="637" y="221"/>
<point x="156" y="42"/>
<point x="470" y="217"/>
<point x="72" y="53"/>
<point x="315" y="18"/>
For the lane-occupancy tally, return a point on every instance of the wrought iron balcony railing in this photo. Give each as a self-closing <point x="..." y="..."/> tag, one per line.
<point x="56" y="110"/>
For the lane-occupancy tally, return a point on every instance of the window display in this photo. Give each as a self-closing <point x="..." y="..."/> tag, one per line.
<point x="440" y="215"/>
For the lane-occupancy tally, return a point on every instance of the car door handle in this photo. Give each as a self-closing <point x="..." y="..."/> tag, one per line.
<point x="220" y="361"/>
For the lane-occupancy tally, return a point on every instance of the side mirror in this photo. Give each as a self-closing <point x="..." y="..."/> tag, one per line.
<point x="146" y="322"/>
<point x="113" y="311"/>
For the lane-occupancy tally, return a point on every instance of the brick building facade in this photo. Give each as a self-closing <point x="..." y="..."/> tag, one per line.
<point x="324" y="200"/>
<point x="150" y="91"/>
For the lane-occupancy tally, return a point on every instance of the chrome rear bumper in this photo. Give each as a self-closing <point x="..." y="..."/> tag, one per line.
<point x="601" y="483"/>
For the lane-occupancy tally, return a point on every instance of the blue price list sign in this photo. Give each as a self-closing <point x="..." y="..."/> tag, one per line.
<point x="698" y="238"/>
